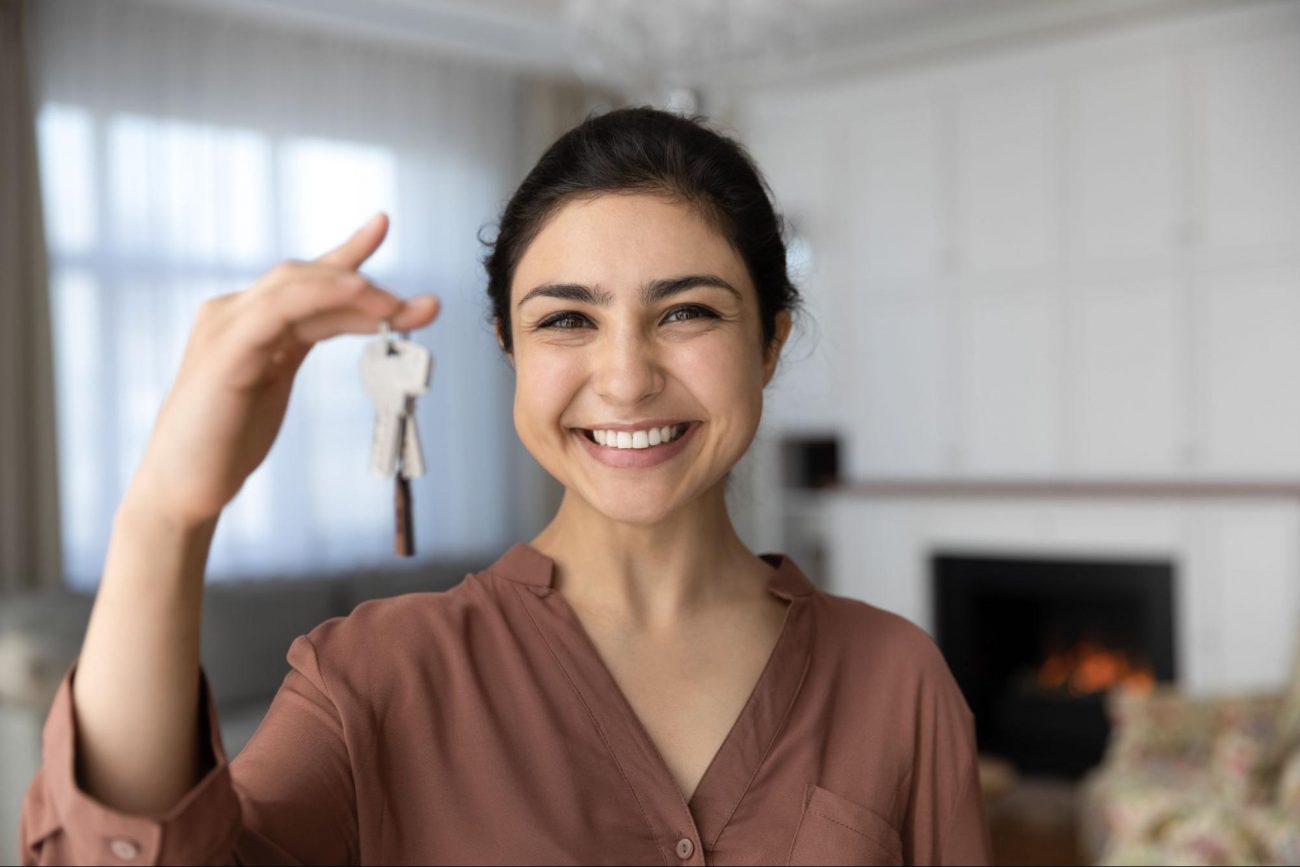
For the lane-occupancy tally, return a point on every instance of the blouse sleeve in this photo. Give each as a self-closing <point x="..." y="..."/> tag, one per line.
<point x="288" y="797"/>
<point x="946" y="822"/>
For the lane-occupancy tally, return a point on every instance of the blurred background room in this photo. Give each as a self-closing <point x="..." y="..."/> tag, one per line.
<point x="1044" y="402"/>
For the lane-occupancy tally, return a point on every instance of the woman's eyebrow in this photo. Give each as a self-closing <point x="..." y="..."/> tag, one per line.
<point x="655" y="290"/>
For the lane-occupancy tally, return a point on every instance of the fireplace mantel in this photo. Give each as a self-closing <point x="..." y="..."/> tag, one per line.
<point x="1235" y="543"/>
<point x="1236" y="489"/>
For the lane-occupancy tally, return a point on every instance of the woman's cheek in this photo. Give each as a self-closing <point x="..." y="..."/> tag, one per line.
<point x="721" y="374"/>
<point x="545" y="385"/>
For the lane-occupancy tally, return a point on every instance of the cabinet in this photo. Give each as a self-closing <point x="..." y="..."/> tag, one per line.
<point x="900" y="419"/>
<point x="1010" y="385"/>
<point x="895" y="179"/>
<point x="1247" y="97"/>
<point x="1125" y="165"/>
<point x="1248" y="335"/>
<point x="1082" y="262"/>
<point x="1005" y="194"/>
<point x="1129" y="379"/>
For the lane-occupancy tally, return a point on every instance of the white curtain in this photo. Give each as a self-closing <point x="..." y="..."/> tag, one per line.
<point x="184" y="153"/>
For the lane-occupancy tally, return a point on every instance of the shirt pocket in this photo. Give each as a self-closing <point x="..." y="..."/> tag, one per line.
<point x="835" y="830"/>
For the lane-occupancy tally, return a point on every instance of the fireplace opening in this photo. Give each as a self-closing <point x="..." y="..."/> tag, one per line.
<point x="1035" y="644"/>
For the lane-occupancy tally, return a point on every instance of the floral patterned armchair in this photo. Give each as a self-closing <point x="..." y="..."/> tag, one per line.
<point x="1197" y="781"/>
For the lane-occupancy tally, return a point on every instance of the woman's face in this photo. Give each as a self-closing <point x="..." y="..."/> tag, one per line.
<point x="608" y="335"/>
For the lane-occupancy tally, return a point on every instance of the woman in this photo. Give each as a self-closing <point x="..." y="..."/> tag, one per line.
<point x="631" y="686"/>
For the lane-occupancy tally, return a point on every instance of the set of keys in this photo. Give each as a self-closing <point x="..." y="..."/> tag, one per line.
<point x="394" y="373"/>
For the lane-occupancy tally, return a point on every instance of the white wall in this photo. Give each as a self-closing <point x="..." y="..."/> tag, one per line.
<point x="1074" y="257"/>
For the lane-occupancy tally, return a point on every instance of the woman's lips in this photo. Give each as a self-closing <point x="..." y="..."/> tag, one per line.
<point x="636" y="458"/>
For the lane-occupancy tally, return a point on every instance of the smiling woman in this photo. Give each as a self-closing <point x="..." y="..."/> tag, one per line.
<point x="632" y="685"/>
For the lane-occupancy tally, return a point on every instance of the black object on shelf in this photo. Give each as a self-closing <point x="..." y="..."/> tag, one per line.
<point x="810" y="461"/>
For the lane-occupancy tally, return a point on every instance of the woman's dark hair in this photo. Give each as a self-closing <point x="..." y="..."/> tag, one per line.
<point x="645" y="150"/>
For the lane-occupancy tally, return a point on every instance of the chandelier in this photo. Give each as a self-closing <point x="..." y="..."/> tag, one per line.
<point x="667" y="47"/>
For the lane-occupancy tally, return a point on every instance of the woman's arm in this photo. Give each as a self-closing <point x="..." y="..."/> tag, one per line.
<point x="290" y="800"/>
<point x="135" y="691"/>
<point x="137" y="685"/>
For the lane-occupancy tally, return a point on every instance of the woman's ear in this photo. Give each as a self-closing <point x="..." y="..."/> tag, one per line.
<point x="782" y="323"/>
<point x="501" y="341"/>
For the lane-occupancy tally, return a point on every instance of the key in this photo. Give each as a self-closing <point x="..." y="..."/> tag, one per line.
<point x="412" y="454"/>
<point x="394" y="373"/>
<point x="390" y="405"/>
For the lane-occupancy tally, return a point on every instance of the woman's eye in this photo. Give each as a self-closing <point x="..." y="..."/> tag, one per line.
<point x="566" y="321"/>
<point x="554" y="321"/>
<point x="689" y="308"/>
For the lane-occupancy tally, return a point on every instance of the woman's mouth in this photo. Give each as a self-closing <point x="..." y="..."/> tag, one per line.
<point x="636" y="449"/>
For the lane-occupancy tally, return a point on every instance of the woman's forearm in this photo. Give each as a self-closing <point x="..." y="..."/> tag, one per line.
<point x="136" y="686"/>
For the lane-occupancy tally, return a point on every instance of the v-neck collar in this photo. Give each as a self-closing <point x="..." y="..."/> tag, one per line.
<point x="737" y="761"/>
<point x="527" y="565"/>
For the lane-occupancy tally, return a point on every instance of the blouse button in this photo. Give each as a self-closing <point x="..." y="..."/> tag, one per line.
<point x="123" y="848"/>
<point x="685" y="848"/>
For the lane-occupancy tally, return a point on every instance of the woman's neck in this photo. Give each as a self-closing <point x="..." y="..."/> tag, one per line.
<point x="652" y="576"/>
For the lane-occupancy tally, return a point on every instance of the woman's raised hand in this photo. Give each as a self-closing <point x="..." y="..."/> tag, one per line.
<point x="229" y="397"/>
<point x="137" y="685"/>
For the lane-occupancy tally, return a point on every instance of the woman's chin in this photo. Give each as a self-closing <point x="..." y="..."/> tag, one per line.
<point x="628" y="511"/>
<point x="632" y="504"/>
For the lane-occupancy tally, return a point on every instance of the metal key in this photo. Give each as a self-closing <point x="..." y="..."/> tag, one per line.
<point x="394" y="373"/>
<point x="412" y="454"/>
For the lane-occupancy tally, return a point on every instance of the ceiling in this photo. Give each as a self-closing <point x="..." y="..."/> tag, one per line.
<point x="538" y="35"/>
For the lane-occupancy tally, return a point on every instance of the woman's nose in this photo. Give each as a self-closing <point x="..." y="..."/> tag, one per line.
<point x="628" y="368"/>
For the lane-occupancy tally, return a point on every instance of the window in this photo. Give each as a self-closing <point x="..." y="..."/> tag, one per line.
<point x="149" y="215"/>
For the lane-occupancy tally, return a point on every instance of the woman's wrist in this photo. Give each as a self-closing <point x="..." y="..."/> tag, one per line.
<point x="145" y="506"/>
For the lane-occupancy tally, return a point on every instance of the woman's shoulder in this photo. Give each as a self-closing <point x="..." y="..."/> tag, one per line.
<point x="880" y="652"/>
<point x="393" y="623"/>
<point x="865" y="631"/>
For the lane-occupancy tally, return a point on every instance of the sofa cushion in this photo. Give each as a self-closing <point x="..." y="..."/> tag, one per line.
<point x="425" y="578"/>
<point x="1164" y="724"/>
<point x="1288" y="785"/>
<point x="1288" y="718"/>
<point x="40" y="637"/>
<point x="248" y="627"/>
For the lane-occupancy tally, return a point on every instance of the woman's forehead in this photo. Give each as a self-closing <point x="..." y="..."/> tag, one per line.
<point x="623" y="241"/>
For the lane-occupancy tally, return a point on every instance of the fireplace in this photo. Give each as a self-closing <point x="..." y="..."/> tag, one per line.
<point x="1035" y="644"/>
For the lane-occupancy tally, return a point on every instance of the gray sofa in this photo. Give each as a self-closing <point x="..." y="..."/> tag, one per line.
<point x="247" y="629"/>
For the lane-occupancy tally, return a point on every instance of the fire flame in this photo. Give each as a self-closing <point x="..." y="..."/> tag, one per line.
<point x="1089" y="667"/>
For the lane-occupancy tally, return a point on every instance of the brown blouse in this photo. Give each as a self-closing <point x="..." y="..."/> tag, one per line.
<point x="479" y="726"/>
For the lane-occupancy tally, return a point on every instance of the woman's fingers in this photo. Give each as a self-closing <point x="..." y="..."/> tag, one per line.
<point x="416" y="313"/>
<point x="358" y="248"/>
<point x="264" y="317"/>
<point x="297" y="303"/>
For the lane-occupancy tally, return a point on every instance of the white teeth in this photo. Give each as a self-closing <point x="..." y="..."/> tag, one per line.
<point x="640" y="439"/>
